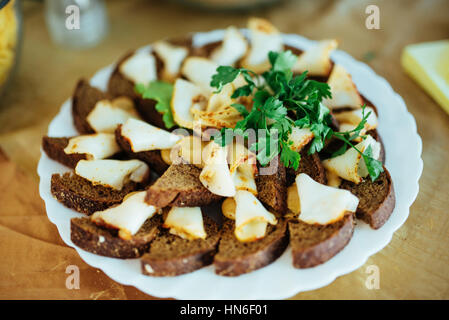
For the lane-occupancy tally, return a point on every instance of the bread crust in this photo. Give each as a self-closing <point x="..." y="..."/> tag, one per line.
<point x="272" y="249"/>
<point x="272" y="189"/>
<point x="321" y="250"/>
<point x="105" y="242"/>
<point x="377" y="216"/>
<point x="309" y="164"/>
<point x="153" y="157"/>
<point x="169" y="190"/>
<point x="54" y="148"/>
<point x="85" y="203"/>
<point x="83" y="101"/>
<point x="177" y="264"/>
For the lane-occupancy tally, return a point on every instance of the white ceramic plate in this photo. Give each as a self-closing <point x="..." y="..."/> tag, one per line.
<point x="278" y="280"/>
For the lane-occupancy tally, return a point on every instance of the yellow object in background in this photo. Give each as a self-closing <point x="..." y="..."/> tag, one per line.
<point x="428" y="64"/>
<point x="8" y="37"/>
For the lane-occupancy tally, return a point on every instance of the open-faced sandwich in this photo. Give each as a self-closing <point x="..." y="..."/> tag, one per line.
<point x="222" y="155"/>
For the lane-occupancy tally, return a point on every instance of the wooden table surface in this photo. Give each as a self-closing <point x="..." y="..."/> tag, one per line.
<point x="416" y="262"/>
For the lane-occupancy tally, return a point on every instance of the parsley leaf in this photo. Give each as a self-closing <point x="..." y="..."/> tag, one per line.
<point x="227" y="74"/>
<point x="162" y="93"/>
<point x="282" y="61"/>
<point x="289" y="157"/>
<point x="266" y="147"/>
<point x="240" y="108"/>
<point x="224" y="75"/>
<point x="374" y="166"/>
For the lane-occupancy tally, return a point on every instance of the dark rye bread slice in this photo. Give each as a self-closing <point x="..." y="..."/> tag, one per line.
<point x="54" y="148"/>
<point x="180" y="186"/>
<point x="153" y="158"/>
<point x="118" y="86"/>
<point x="106" y="242"/>
<point x="315" y="244"/>
<point x="171" y="255"/>
<point x="376" y="199"/>
<point x="309" y="164"/>
<point x="235" y="257"/>
<point x="83" y="101"/>
<point x="81" y="195"/>
<point x="272" y="188"/>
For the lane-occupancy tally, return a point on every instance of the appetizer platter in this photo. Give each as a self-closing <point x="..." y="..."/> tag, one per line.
<point x="261" y="163"/>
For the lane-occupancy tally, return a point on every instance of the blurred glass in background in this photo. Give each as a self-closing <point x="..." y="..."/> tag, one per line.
<point x="10" y="39"/>
<point x="76" y="24"/>
<point x="228" y="4"/>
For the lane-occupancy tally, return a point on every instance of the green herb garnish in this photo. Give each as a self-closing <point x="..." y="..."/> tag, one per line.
<point x="282" y="101"/>
<point x="161" y="92"/>
<point x="374" y="166"/>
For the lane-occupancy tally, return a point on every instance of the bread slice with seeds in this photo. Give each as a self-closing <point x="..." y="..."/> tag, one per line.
<point x="180" y="186"/>
<point x="377" y="198"/>
<point x="54" y="148"/>
<point x="106" y="242"/>
<point x="81" y="195"/>
<point x="153" y="157"/>
<point x="315" y="244"/>
<point x="84" y="100"/>
<point x="171" y="255"/>
<point x="235" y="257"/>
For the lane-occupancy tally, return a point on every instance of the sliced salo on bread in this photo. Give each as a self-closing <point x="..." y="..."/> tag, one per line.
<point x="235" y="257"/>
<point x="119" y="85"/>
<point x="344" y="92"/>
<point x="105" y="241"/>
<point x="84" y="100"/>
<point x="325" y="223"/>
<point x="82" y="195"/>
<point x="172" y="255"/>
<point x="316" y="59"/>
<point x="122" y="231"/>
<point x="70" y="150"/>
<point x="377" y="198"/>
<point x="152" y="157"/>
<point x="264" y="37"/>
<point x="315" y="244"/>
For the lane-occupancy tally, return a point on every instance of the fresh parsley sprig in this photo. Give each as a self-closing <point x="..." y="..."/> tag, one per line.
<point x="227" y="74"/>
<point x="282" y="101"/>
<point x="279" y="94"/>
